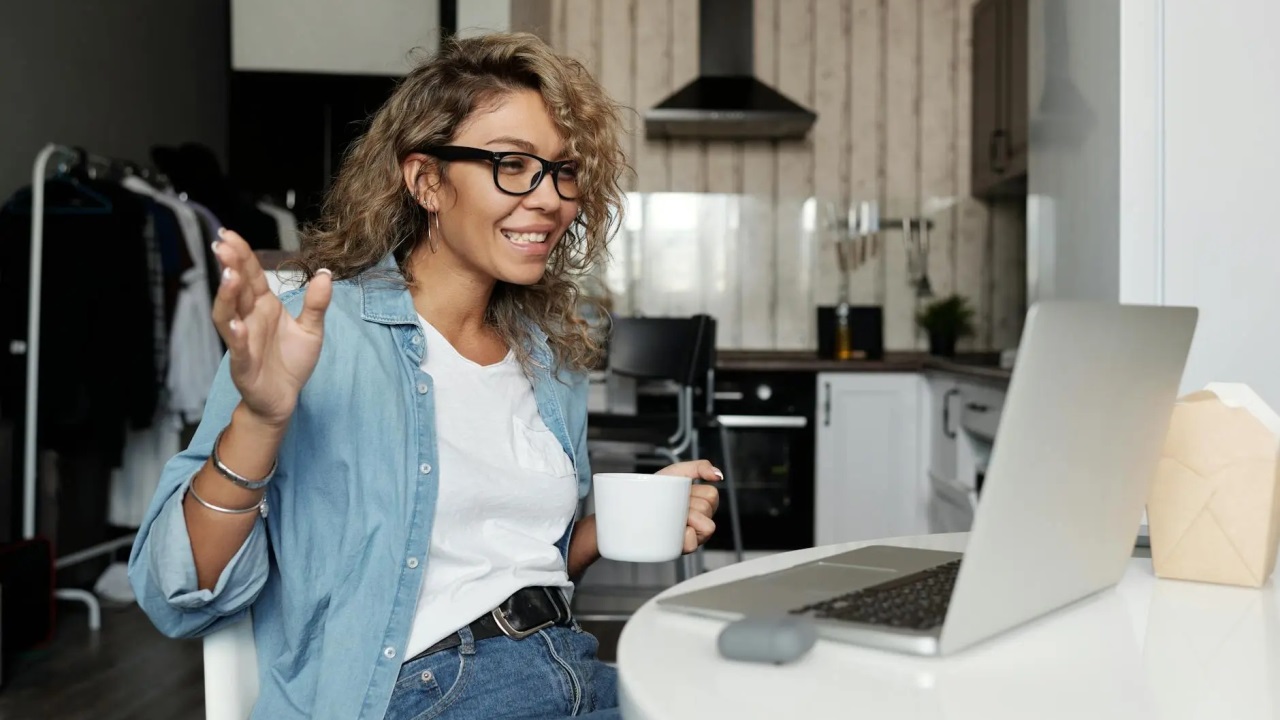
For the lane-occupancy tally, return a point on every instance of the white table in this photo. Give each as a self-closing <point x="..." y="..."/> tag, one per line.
<point x="1148" y="649"/>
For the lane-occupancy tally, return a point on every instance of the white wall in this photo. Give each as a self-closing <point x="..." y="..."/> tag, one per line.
<point x="1221" y="160"/>
<point x="477" y="17"/>
<point x="1073" y="171"/>
<point x="332" y="36"/>
<point x="1157" y="187"/>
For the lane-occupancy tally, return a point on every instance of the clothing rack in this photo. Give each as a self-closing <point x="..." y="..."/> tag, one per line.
<point x="63" y="154"/>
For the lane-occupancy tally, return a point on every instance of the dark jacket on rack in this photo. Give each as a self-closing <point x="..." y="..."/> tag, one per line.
<point x="97" y="329"/>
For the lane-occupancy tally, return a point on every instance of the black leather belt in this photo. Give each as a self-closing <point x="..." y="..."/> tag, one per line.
<point x="526" y="612"/>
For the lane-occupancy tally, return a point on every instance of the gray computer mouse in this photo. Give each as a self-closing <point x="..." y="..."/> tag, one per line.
<point x="769" y="639"/>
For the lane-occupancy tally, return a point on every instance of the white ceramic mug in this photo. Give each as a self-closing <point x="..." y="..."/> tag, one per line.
<point x="639" y="517"/>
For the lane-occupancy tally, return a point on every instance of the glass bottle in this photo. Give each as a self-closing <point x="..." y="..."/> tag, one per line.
<point x="844" y="334"/>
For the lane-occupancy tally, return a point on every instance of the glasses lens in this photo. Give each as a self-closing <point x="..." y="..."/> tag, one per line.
<point x="567" y="181"/>
<point x="519" y="173"/>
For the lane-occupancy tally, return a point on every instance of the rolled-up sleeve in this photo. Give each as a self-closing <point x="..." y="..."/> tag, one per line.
<point x="162" y="569"/>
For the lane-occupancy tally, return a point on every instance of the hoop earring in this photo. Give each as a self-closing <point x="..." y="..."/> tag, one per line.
<point x="433" y="242"/>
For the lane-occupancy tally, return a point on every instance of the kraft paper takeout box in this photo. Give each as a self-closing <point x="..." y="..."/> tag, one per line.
<point x="1214" y="508"/>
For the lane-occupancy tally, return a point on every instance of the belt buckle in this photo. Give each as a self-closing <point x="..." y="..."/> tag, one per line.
<point x="510" y="630"/>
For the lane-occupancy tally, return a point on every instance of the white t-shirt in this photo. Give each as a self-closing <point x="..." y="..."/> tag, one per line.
<point x="507" y="493"/>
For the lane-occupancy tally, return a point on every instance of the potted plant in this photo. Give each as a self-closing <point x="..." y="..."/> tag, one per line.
<point x="945" y="321"/>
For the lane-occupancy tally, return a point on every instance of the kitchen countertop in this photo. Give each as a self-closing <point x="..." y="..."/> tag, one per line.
<point x="981" y="366"/>
<point x="974" y="365"/>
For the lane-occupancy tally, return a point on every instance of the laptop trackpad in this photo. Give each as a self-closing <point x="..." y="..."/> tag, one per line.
<point x="831" y="580"/>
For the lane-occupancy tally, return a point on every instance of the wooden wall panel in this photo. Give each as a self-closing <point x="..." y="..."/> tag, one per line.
<point x="938" y="21"/>
<point x="759" y="186"/>
<point x="794" y="255"/>
<point x="972" y="258"/>
<point x="688" y="157"/>
<point x="652" y="84"/>
<point x="617" y="73"/>
<point x="831" y="133"/>
<point x="580" y="23"/>
<point x="890" y="81"/>
<point x="866" y="137"/>
<point x="901" y="53"/>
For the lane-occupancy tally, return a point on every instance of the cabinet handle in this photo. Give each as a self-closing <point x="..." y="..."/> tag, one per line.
<point x="994" y="156"/>
<point x="826" y="406"/>
<point x="946" y="413"/>
<point x="976" y="407"/>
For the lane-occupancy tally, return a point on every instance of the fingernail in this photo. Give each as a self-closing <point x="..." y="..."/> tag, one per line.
<point x="325" y="271"/>
<point x="718" y="473"/>
<point x="222" y="233"/>
<point x="235" y="326"/>
<point x="228" y="274"/>
<point x="214" y="246"/>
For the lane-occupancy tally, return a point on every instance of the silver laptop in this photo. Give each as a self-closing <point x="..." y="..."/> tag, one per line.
<point x="1083" y="424"/>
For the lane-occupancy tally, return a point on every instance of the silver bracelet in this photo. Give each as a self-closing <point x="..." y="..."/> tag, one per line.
<point x="260" y="506"/>
<point x="235" y="477"/>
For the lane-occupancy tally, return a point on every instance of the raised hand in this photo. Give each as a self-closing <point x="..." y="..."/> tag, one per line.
<point x="272" y="354"/>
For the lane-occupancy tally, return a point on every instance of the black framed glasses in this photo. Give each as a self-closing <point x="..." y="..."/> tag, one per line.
<point x="516" y="173"/>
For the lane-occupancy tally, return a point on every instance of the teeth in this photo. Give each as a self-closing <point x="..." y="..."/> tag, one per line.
<point x="525" y="238"/>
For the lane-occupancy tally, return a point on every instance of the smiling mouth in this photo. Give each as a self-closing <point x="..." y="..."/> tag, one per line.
<point x="526" y="238"/>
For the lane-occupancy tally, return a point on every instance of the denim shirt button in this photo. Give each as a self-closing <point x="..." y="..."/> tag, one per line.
<point x="390" y="652"/>
<point x="424" y="468"/>
<point x="422" y="388"/>
<point x="412" y="563"/>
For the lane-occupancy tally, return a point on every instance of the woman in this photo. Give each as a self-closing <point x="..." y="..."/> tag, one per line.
<point x="390" y="459"/>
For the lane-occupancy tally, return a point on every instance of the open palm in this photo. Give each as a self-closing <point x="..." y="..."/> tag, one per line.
<point x="272" y="354"/>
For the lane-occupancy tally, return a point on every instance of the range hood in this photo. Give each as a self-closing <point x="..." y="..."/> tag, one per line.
<point x="726" y="101"/>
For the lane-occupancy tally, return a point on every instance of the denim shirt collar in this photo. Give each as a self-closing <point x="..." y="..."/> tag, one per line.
<point x="386" y="300"/>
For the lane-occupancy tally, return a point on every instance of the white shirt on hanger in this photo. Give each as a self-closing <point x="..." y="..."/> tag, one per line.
<point x="194" y="347"/>
<point x="286" y="225"/>
<point x="507" y="491"/>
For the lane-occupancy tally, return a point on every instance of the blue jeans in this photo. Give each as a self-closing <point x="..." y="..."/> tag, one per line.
<point x="554" y="673"/>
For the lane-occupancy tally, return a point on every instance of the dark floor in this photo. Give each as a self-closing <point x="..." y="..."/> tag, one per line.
<point x="130" y="671"/>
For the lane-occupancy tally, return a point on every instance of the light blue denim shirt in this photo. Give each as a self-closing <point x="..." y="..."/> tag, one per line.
<point x="327" y="573"/>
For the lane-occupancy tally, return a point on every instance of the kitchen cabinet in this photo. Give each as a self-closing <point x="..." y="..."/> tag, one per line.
<point x="962" y="417"/>
<point x="999" y="142"/>
<point x="941" y="411"/>
<point x="870" y="481"/>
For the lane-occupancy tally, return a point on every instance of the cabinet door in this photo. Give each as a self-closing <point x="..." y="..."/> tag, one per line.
<point x="942" y="413"/>
<point x="986" y="142"/>
<point x="1016" y="110"/>
<point x="869" y="479"/>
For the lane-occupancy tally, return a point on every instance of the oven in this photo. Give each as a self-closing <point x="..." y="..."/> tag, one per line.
<point x="768" y="427"/>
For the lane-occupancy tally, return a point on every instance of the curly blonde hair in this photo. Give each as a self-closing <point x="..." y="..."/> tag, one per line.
<point x="368" y="213"/>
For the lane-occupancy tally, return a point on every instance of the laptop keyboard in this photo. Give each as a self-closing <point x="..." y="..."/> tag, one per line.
<point x="918" y="601"/>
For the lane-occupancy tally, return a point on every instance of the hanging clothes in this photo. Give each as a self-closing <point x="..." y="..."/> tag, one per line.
<point x="194" y="347"/>
<point x="146" y="450"/>
<point x="209" y="224"/>
<point x="98" y="374"/>
<point x="133" y="484"/>
<point x="287" y="224"/>
<point x="196" y="171"/>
